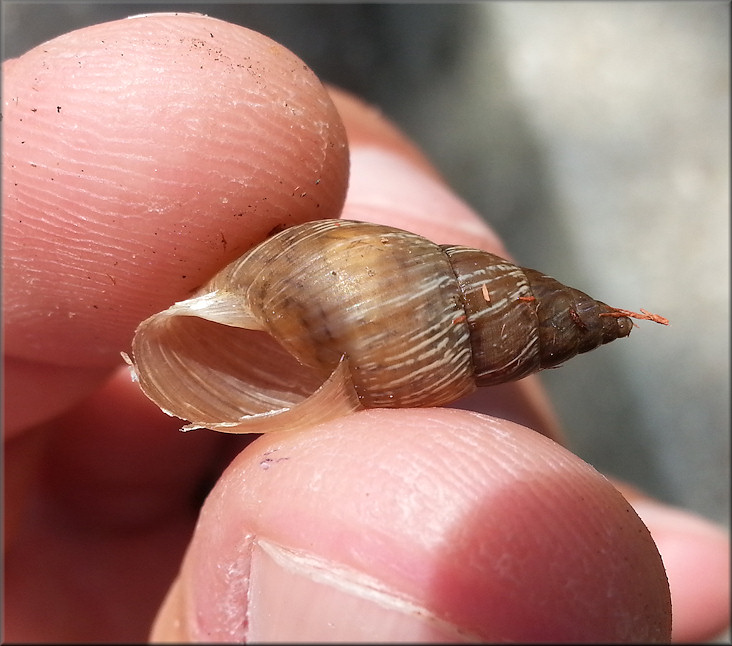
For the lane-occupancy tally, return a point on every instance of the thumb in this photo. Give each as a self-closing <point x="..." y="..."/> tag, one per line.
<point x="429" y="525"/>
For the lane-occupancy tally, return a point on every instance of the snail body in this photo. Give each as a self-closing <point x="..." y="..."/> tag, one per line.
<point x="333" y="316"/>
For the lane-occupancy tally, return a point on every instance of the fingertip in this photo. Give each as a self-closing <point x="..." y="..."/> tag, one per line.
<point x="695" y="554"/>
<point x="469" y="522"/>
<point x="141" y="155"/>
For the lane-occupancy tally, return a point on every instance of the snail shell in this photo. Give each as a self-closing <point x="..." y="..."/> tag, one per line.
<point x="332" y="316"/>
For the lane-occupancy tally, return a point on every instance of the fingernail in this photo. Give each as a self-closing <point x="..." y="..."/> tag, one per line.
<point x="300" y="597"/>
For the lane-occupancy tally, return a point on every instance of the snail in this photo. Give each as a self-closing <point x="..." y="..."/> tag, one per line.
<point x="329" y="317"/>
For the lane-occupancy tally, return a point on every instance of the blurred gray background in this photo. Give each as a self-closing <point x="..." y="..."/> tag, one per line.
<point x="594" y="137"/>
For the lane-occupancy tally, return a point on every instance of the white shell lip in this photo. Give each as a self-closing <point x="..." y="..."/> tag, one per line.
<point x="335" y="398"/>
<point x="206" y="360"/>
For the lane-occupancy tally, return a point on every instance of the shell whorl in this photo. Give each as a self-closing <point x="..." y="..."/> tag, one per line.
<point x="522" y="321"/>
<point x="384" y="298"/>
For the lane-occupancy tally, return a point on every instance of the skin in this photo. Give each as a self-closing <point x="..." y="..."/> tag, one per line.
<point x="418" y="525"/>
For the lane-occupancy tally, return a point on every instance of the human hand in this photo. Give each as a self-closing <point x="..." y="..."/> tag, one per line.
<point x="142" y="155"/>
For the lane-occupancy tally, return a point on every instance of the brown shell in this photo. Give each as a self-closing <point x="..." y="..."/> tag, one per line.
<point x="332" y="316"/>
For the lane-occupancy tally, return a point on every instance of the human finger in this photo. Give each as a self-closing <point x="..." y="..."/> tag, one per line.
<point x="113" y="209"/>
<point x="416" y="525"/>
<point x="140" y="156"/>
<point x="695" y="554"/>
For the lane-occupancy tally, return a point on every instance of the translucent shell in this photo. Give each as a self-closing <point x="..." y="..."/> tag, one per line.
<point x="329" y="317"/>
